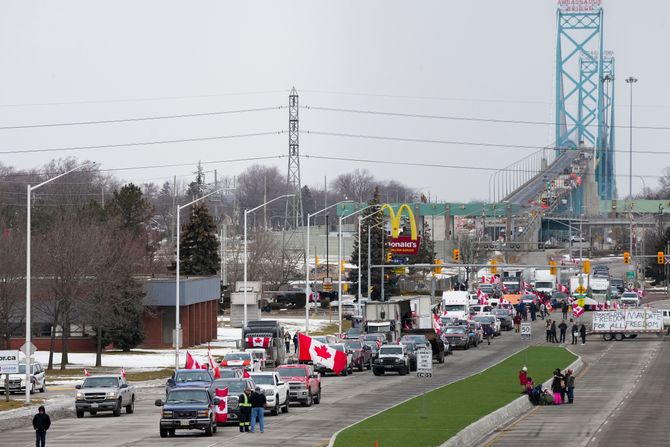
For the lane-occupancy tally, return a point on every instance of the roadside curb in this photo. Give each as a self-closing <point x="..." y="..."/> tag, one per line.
<point x="474" y="433"/>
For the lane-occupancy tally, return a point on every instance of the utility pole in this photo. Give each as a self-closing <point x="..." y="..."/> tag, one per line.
<point x="630" y="81"/>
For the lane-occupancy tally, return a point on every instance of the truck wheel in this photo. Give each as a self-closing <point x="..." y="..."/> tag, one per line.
<point x="275" y="410"/>
<point x="618" y="337"/>
<point x="369" y="365"/>
<point x="163" y="432"/>
<point x="360" y="367"/>
<point x="607" y="337"/>
<point x="285" y="407"/>
<point x="317" y="399"/>
<point x="44" y="386"/>
<point x="80" y="414"/>
<point x="402" y="371"/>
<point x="378" y="372"/>
<point x="130" y="408"/>
<point x="117" y="410"/>
<point x="209" y="430"/>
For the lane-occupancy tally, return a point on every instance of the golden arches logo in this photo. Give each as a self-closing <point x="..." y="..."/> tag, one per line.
<point x="395" y="219"/>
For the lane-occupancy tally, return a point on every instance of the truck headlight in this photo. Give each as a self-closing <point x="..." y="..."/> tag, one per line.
<point x="111" y="394"/>
<point x="80" y="395"/>
<point x="203" y="413"/>
<point x="398" y="360"/>
<point x="167" y="413"/>
<point x="269" y="392"/>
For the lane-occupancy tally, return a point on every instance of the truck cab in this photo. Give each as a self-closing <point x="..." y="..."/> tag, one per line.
<point x="187" y="409"/>
<point x="455" y="304"/>
<point x="104" y="393"/>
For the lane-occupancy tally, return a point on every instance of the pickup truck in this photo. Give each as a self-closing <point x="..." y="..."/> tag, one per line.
<point x="304" y="384"/>
<point x="362" y="354"/>
<point x="181" y="378"/>
<point x="275" y="390"/>
<point x="187" y="409"/>
<point x="391" y="358"/>
<point x="430" y="338"/>
<point x="104" y="393"/>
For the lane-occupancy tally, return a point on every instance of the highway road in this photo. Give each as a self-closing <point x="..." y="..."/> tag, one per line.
<point x="345" y="400"/>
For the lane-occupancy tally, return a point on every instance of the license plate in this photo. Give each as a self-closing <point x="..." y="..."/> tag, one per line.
<point x="184" y="422"/>
<point x="94" y="405"/>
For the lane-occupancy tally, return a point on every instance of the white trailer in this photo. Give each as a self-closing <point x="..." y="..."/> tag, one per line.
<point x="627" y="323"/>
<point x="545" y="282"/>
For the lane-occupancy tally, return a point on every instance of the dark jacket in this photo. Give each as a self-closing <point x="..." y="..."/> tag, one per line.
<point x="41" y="422"/>
<point x="258" y="400"/>
<point x="556" y="384"/>
<point x="553" y="327"/>
<point x="563" y="327"/>
<point x="582" y="330"/>
<point x="575" y="328"/>
<point x="488" y="330"/>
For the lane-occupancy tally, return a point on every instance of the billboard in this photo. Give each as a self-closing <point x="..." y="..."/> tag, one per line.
<point x="402" y="245"/>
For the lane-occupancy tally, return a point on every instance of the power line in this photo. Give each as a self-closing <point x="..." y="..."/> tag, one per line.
<point x="142" y="143"/>
<point x="459" y="143"/>
<point x="461" y="118"/>
<point x="144" y="118"/>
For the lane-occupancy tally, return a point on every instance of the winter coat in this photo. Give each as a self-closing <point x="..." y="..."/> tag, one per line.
<point x="571" y="381"/>
<point x="258" y="400"/>
<point x="41" y="422"/>
<point x="556" y="384"/>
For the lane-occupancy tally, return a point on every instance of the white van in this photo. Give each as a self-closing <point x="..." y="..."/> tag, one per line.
<point x="456" y="304"/>
<point x="630" y="299"/>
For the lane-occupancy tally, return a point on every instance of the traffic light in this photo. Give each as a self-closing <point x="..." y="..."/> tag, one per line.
<point x="552" y="270"/>
<point x="342" y="266"/>
<point x="660" y="258"/>
<point x="494" y="269"/>
<point x="438" y="269"/>
<point x="457" y="255"/>
<point x="586" y="266"/>
<point x="626" y="257"/>
<point x="388" y="257"/>
<point x="317" y="261"/>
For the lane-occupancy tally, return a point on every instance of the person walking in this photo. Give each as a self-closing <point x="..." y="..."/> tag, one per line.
<point x="244" y="402"/>
<point x="522" y="310"/>
<point x="287" y="341"/>
<point x="258" y="401"/>
<point x="562" y="328"/>
<point x="547" y="327"/>
<point x="564" y="307"/>
<point x="543" y="310"/>
<point x="582" y="333"/>
<point x="554" y="338"/>
<point x="295" y="341"/>
<point x="556" y="387"/>
<point x="517" y="322"/>
<point x="41" y="423"/>
<point x="533" y="311"/>
<point x="575" y="331"/>
<point x="488" y="333"/>
<point x="570" y="383"/>
<point x="523" y="378"/>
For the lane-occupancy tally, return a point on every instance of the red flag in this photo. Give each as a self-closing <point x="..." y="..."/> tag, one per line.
<point x="221" y="409"/>
<point x="577" y="311"/>
<point x="321" y="354"/>
<point x="258" y="342"/>
<point x="191" y="363"/>
<point x="217" y="373"/>
<point x="86" y="373"/>
<point x="246" y="374"/>
<point x="549" y="306"/>
<point x="123" y="372"/>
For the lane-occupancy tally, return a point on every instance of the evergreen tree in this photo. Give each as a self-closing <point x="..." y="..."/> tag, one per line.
<point x="376" y="250"/>
<point x="199" y="247"/>
<point x="124" y="327"/>
<point x="134" y="210"/>
<point x="426" y="253"/>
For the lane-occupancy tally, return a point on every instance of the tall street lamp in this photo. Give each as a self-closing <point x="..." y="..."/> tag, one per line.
<point x="177" y="325"/>
<point x="29" y="190"/>
<point x="339" y="262"/>
<point x="307" y="287"/>
<point x="246" y="212"/>
<point x="360" y="223"/>
<point x="630" y="81"/>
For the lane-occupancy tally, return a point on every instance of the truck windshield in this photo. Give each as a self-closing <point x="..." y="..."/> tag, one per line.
<point x="454" y="307"/>
<point x="101" y="382"/>
<point x="237" y="356"/>
<point x="187" y="396"/>
<point x="235" y="386"/>
<point x="372" y="329"/>
<point x="455" y="330"/>
<point x="263" y="379"/>
<point x="192" y="376"/>
<point x="543" y="285"/>
<point x="390" y="350"/>
<point x="488" y="288"/>
<point x="512" y="287"/>
<point x="291" y="372"/>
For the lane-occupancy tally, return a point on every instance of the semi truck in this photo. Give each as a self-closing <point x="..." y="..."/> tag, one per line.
<point x="420" y="308"/>
<point x="387" y="318"/>
<point x="545" y="282"/>
<point x="456" y="304"/>
<point x="275" y="348"/>
<point x="600" y="288"/>
<point x="627" y="323"/>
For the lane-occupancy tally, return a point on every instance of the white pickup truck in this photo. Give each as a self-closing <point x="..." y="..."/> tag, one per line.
<point x="275" y="389"/>
<point x="104" y="393"/>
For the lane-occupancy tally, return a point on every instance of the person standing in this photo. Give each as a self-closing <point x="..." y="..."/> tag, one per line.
<point x="570" y="383"/>
<point x="295" y="341"/>
<point x="564" y="307"/>
<point x="287" y="341"/>
<point x="575" y="332"/>
<point x="258" y="401"/>
<point x="543" y="310"/>
<point x="488" y="333"/>
<point x="244" y="402"/>
<point x="556" y="387"/>
<point x="523" y="378"/>
<point x="582" y="333"/>
<point x="563" y="385"/>
<point x="547" y="327"/>
<point x="517" y="322"/>
<point x="41" y="423"/>
<point x="554" y="339"/>
<point x="562" y="328"/>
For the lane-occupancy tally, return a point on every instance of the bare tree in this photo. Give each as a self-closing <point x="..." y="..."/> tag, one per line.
<point x="12" y="283"/>
<point x="357" y="185"/>
<point x="256" y="184"/>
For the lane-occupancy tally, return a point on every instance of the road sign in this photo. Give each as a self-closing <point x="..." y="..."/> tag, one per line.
<point x="9" y="362"/>
<point x="525" y="330"/>
<point x="580" y="302"/>
<point x="424" y="363"/>
<point x="630" y="275"/>
<point x="28" y="349"/>
<point x="580" y="290"/>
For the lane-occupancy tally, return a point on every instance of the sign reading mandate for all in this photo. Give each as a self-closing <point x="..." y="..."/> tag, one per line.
<point x="9" y="362"/>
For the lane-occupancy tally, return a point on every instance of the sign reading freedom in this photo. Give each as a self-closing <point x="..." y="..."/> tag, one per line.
<point x="638" y="320"/>
<point x="405" y="245"/>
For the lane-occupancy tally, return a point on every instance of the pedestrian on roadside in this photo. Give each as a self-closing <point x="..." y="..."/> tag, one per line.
<point x="528" y="389"/>
<point x="533" y="311"/>
<point x="287" y="341"/>
<point x="570" y="383"/>
<point x="295" y="341"/>
<point x="258" y="401"/>
<point x="543" y="310"/>
<point x="582" y="333"/>
<point x="564" y="386"/>
<point x="41" y="423"/>
<point x="517" y="322"/>
<point x="523" y="378"/>
<point x="575" y="331"/>
<point x="244" y="403"/>
<point x="488" y="333"/>
<point x="564" y="307"/>
<point x="547" y="327"/>
<point x="522" y="310"/>
<point x="554" y="339"/>
<point x="562" y="328"/>
<point x="556" y="387"/>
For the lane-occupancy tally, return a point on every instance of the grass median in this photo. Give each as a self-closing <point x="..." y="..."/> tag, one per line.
<point x="453" y="407"/>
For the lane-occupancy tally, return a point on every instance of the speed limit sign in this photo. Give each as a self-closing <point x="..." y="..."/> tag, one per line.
<point x="525" y="330"/>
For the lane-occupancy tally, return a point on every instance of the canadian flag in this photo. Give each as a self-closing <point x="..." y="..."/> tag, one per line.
<point x="86" y="373"/>
<point x="123" y="372"/>
<point x="504" y="287"/>
<point x="321" y="354"/>
<point x="526" y="285"/>
<point x="436" y="324"/>
<point x="212" y="364"/>
<point x="562" y="288"/>
<point x="549" y="306"/>
<point x="191" y="363"/>
<point x="614" y="305"/>
<point x="258" y="342"/>
<point x="221" y="410"/>
<point x="246" y="374"/>
<point x="577" y="310"/>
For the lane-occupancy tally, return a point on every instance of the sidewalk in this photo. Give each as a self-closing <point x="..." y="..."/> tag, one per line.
<point x="612" y="371"/>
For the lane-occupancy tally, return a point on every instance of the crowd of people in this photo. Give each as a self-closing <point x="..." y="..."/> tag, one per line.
<point x="561" y="391"/>
<point x="556" y="331"/>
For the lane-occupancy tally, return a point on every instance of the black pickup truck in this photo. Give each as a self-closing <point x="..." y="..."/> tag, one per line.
<point x="188" y="409"/>
<point x="436" y="343"/>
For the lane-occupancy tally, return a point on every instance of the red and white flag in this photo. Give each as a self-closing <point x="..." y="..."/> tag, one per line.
<point x="321" y="354"/>
<point x="258" y="342"/>
<point x="221" y="409"/>
<point x="246" y="374"/>
<point x="436" y="324"/>
<point x="86" y="373"/>
<point x="577" y="310"/>
<point x="123" y="372"/>
<point x="549" y="306"/>
<point x="562" y="288"/>
<point x="526" y="285"/>
<point x="191" y="363"/>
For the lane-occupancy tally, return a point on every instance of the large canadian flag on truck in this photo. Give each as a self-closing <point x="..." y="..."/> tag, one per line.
<point x="321" y="354"/>
<point x="258" y="342"/>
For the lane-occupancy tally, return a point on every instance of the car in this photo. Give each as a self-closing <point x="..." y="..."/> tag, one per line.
<point x="630" y="299"/>
<point x="491" y="320"/>
<point x="235" y="388"/>
<point x="260" y="354"/>
<point x="391" y="358"/>
<point x="304" y="384"/>
<point x="354" y="332"/>
<point x="476" y="327"/>
<point x="618" y="283"/>
<point x="460" y="336"/>
<point x="505" y="317"/>
<point x="104" y="393"/>
<point x="361" y="353"/>
<point x="349" y="368"/>
<point x="17" y="382"/>
<point x="614" y="292"/>
<point x="181" y="378"/>
<point x="275" y="390"/>
<point x="231" y="373"/>
<point x="481" y="309"/>
<point x="187" y="409"/>
<point x="244" y="359"/>
<point x="419" y="340"/>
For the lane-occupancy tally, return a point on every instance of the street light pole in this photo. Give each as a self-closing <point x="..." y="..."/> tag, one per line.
<point x="246" y="213"/>
<point x="29" y="190"/>
<point x="630" y="80"/>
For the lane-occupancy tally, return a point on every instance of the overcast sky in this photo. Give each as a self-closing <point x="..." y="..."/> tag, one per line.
<point x="69" y="61"/>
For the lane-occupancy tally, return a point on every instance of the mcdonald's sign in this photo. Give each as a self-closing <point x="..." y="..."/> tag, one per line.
<point x="403" y="245"/>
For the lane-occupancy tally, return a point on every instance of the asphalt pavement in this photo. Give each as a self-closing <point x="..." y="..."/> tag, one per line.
<point x="346" y="400"/>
